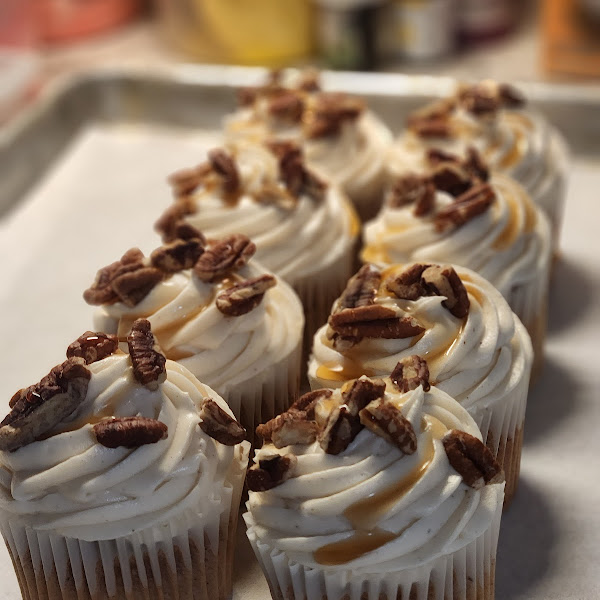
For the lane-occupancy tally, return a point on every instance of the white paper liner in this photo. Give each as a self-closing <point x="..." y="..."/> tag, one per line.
<point x="465" y="574"/>
<point x="189" y="556"/>
<point x="266" y="394"/>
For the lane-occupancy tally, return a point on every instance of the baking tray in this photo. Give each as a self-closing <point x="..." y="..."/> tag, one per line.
<point x="82" y="178"/>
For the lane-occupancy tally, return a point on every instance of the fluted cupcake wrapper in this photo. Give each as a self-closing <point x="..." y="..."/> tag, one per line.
<point x="464" y="574"/>
<point x="188" y="557"/>
<point x="265" y="394"/>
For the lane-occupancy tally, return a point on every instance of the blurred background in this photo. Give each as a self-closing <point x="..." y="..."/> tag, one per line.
<point x="523" y="40"/>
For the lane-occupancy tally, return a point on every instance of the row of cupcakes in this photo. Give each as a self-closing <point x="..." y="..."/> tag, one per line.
<point x="89" y="517"/>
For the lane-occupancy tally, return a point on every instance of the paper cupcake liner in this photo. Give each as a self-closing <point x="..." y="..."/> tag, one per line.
<point x="189" y="556"/>
<point x="265" y="395"/>
<point x="465" y="574"/>
<point x="319" y="291"/>
<point x="368" y="198"/>
<point x="501" y="427"/>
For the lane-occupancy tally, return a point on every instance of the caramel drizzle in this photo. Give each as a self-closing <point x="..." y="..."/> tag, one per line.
<point x="366" y="513"/>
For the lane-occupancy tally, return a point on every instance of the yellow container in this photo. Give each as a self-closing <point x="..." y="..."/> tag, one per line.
<point x="266" y="32"/>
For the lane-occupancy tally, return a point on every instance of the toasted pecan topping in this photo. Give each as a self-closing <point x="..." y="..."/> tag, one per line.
<point x="410" y="373"/>
<point x="129" y="432"/>
<point x="220" y="426"/>
<point x="243" y="297"/>
<point x="385" y="420"/>
<point x="432" y="120"/>
<point x="221" y="258"/>
<point x="451" y="177"/>
<point x="361" y="288"/>
<point x="147" y="360"/>
<point x="487" y="97"/>
<point x="357" y="393"/>
<point x="329" y="112"/>
<point x="306" y="403"/>
<point x="224" y="165"/>
<point x="186" y="181"/>
<point x="171" y="225"/>
<point x="177" y="255"/>
<point x="309" y="80"/>
<point x="467" y="206"/>
<point x="131" y="288"/>
<point x="93" y="346"/>
<point x="431" y="280"/>
<point x="475" y="164"/>
<point x="37" y="409"/>
<point x="270" y="472"/>
<point x="246" y="96"/>
<point x="287" y="106"/>
<point x="412" y="188"/>
<point x="288" y="428"/>
<point x="510" y="96"/>
<point x="472" y="459"/>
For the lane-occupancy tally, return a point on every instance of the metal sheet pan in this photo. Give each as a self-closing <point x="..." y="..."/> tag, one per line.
<point x="82" y="179"/>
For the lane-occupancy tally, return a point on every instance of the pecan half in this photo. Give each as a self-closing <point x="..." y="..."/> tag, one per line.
<point x="451" y="177"/>
<point x="131" y="288"/>
<point x="129" y="432"/>
<point x="220" y="426"/>
<point x="243" y="297"/>
<point x="409" y="189"/>
<point x="307" y="402"/>
<point x="410" y="373"/>
<point x="171" y="225"/>
<point x="385" y="420"/>
<point x="357" y="393"/>
<point x="407" y="285"/>
<point x="147" y="360"/>
<point x="287" y="106"/>
<point x="177" y="255"/>
<point x="93" y="346"/>
<point x="270" y="472"/>
<point x="472" y="459"/>
<point x="186" y="181"/>
<point x="467" y="206"/>
<point x="480" y="99"/>
<point x="329" y="112"/>
<point x="222" y="257"/>
<point x="444" y="281"/>
<point x="289" y="428"/>
<point x="37" y="409"/>
<point x="361" y="288"/>
<point x="340" y="429"/>
<point x="224" y="166"/>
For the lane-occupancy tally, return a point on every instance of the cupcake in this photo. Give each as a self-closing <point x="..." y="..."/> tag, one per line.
<point x="476" y="348"/>
<point x="513" y="139"/>
<point x="341" y="138"/>
<point x="379" y="490"/>
<point x="234" y="325"/>
<point x="305" y="230"/>
<point x="454" y="212"/>
<point x="120" y="477"/>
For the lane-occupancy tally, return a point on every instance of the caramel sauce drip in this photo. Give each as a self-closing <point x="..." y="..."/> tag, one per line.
<point x="347" y="369"/>
<point x="365" y="514"/>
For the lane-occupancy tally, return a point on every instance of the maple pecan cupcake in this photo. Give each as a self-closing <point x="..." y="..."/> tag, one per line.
<point x="379" y="490"/>
<point x="341" y="138"/>
<point x="454" y="212"/>
<point x="512" y="138"/>
<point x="305" y="230"/>
<point x="120" y="477"/>
<point x="476" y="348"/>
<point x="215" y="311"/>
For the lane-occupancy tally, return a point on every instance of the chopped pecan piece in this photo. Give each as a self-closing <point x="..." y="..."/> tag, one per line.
<point x="467" y="206"/>
<point x="288" y="428"/>
<point x="186" y="181"/>
<point x="171" y="225"/>
<point x="309" y="81"/>
<point x="432" y="128"/>
<point x="412" y="188"/>
<point x="37" y="409"/>
<point x="177" y="255"/>
<point x="357" y="393"/>
<point x="444" y="281"/>
<point x="385" y="420"/>
<point x="270" y="472"/>
<point x="246" y="96"/>
<point x="330" y="112"/>
<point x="374" y="321"/>
<point x="480" y="100"/>
<point x="472" y="459"/>
<point x="341" y="428"/>
<point x="475" y="164"/>
<point x="361" y="288"/>
<point x="129" y="432"/>
<point x="438" y="109"/>
<point x="243" y="297"/>
<point x="274" y="193"/>
<point x="306" y="403"/>
<point x="131" y="288"/>
<point x="452" y="178"/>
<point x="147" y="360"/>
<point x="220" y="258"/>
<point x="93" y="346"/>
<point x="224" y="166"/>
<point x="410" y="373"/>
<point x="435" y="156"/>
<point x="510" y="97"/>
<point x="408" y="285"/>
<point x="287" y="106"/>
<point x="220" y="426"/>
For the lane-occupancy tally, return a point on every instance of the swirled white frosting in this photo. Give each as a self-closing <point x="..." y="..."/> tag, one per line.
<point x="518" y="143"/>
<point x="412" y="508"/>
<point x="354" y="158"/>
<point x="220" y="350"/>
<point x="508" y="244"/>
<point x="478" y="360"/>
<point x="72" y="485"/>
<point x="295" y="242"/>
